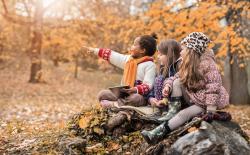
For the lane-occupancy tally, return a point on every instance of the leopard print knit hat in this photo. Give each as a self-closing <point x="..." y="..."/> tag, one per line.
<point x="196" y="41"/>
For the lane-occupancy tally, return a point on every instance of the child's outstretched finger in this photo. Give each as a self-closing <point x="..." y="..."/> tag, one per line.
<point x="85" y="47"/>
<point x="88" y="49"/>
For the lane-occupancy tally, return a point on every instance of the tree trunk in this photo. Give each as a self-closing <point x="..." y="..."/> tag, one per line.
<point x="227" y="68"/>
<point x="239" y="91"/>
<point x="76" y="65"/>
<point x="236" y="78"/>
<point x="56" y="62"/>
<point x="248" y="75"/>
<point x="1" y="52"/>
<point x="36" y="45"/>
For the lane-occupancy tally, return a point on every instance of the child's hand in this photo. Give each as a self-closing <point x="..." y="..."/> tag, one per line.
<point x="211" y="109"/>
<point x="130" y="90"/>
<point x="88" y="49"/>
<point x="165" y="91"/>
<point x="164" y="101"/>
<point x="155" y="102"/>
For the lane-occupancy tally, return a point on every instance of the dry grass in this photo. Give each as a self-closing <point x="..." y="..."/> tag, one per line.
<point x="31" y="111"/>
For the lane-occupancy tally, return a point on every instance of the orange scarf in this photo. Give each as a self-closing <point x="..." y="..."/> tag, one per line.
<point x="130" y="70"/>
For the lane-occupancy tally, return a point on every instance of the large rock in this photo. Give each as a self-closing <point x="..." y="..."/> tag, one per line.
<point x="215" y="138"/>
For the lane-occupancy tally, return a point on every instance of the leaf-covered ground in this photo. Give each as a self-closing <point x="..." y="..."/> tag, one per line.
<point x="34" y="116"/>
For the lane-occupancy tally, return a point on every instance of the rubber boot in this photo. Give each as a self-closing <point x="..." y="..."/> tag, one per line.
<point x="174" y="107"/>
<point x="157" y="134"/>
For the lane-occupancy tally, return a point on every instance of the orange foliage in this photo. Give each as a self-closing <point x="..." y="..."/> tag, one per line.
<point x="204" y="16"/>
<point x="104" y="24"/>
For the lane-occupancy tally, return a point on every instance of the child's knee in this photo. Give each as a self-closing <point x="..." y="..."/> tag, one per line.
<point x="136" y="100"/>
<point x="106" y="95"/>
<point x="190" y="112"/>
<point x="183" y="114"/>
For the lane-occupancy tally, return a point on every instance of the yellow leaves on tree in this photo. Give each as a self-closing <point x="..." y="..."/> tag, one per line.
<point x="104" y="25"/>
<point x="178" y="20"/>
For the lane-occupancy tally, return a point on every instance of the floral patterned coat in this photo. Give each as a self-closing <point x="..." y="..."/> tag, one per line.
<point x="213" y="94"/>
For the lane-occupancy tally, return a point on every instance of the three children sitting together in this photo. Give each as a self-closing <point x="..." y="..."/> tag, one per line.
<point x="186" y="74"/>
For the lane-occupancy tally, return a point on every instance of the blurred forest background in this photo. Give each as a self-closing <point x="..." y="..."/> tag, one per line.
<point x="45" y="77"/>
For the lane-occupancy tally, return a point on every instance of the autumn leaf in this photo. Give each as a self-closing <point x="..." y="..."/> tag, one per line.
<point x="192" y="129"/>
<point x="113" y="146"/>
<point x="85" y="121"/>
<point x="96" y="121"/>
<point x="98" y="130"/>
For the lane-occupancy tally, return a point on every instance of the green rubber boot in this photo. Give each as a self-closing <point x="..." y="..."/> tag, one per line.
<point x="173" y="109"/>
<point x="157" y="134"/>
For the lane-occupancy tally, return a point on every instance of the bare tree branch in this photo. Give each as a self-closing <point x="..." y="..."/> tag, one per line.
<point x="11" y="18"/>
<point x="5" y="7"/>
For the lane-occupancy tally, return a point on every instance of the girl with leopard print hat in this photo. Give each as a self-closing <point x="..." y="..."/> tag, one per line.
<point x="198" y="81"/>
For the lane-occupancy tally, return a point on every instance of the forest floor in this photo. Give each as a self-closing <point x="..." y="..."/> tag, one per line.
<point x="38" y="113"/>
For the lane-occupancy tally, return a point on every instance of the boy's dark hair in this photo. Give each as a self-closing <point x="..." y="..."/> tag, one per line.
<point x="148" y="42"/>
